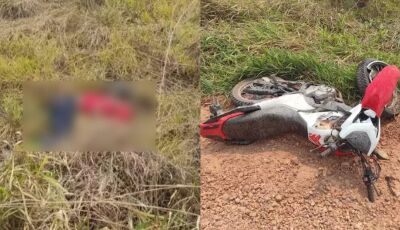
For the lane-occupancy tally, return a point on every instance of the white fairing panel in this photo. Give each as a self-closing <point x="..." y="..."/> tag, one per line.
<point x="351" y="125"/>
<point x="295" y="101"/>
<point x="311" y="119"/>
<point x="299" y="103"/>
<point x="354" y="112"/>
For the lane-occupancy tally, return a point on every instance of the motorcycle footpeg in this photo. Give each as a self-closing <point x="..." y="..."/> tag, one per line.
<point x="329" y="150"/>
<point x="215" y="110"/>
<point x="326" y="152"/>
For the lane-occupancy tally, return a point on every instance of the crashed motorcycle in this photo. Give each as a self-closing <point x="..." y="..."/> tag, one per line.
<point x="270" y="106"/>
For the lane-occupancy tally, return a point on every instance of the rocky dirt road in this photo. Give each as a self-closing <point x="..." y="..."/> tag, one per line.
<point x="280" y="184"/>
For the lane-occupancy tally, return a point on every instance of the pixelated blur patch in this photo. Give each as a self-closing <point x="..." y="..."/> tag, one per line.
<point x="89" y="116"/>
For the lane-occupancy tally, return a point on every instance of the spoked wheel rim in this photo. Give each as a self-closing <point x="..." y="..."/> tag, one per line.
<point x="252" y="90"/>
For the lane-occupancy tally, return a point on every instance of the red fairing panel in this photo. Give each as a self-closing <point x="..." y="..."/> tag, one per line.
<point x="380" y="91"/>
<point x="214" y="130"/>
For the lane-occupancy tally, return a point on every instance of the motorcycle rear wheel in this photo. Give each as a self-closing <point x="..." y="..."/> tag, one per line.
<point x="241" y="98"/>
<point x="364" y="77"/>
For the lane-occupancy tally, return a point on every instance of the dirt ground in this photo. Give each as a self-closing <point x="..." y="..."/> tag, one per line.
<point x="280" y="184"/>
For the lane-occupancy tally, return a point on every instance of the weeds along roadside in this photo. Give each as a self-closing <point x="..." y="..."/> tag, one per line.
<point x="321" y="41"/>
<point x="102" y="40"/>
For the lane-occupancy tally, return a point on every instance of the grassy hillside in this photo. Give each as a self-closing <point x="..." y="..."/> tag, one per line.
<point x="101" y="40"/>
<point x="321" y="41"/>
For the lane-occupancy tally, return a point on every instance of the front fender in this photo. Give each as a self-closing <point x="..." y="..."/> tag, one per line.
<point x="364" y="136"/>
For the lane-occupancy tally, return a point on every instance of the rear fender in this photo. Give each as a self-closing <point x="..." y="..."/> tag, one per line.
<point x="213" y="129"/>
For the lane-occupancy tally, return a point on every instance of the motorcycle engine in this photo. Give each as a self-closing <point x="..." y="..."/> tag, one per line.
<point x="326" y="121"/>
<point x="321" y="93"/>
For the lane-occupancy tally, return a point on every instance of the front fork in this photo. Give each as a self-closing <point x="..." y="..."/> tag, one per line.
<point x="369" y="175"/>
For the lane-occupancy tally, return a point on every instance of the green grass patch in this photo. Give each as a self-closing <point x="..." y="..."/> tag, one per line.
<point x="25" y="57"/>
<point x="322" y="41"/>
<point x="302" y="66"/>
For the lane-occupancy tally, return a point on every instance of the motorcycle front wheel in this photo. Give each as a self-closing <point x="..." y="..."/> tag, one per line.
<point x="366" y="72"/>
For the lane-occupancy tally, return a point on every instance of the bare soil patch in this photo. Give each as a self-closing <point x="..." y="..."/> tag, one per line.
<point x="280" y="184"/>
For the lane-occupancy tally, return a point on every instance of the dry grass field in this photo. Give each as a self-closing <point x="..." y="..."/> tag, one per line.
<point x="101" y="40"/>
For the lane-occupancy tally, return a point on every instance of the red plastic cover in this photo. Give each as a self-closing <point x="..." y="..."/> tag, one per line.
<point x="380" y="91"/>
<point x="214" y="130"/>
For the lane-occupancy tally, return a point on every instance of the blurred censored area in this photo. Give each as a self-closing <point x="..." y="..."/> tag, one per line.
<point x="89" y="116"/>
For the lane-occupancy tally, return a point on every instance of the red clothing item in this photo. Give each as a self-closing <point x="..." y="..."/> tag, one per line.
<point x="380" y="91"/>
<point x="105" y="105"/>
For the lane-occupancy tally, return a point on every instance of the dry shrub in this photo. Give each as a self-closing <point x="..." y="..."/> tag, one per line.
<point x="14" y="9"/>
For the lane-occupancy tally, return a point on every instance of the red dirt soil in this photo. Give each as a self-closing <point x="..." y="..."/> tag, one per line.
<point x="280" y="184"/>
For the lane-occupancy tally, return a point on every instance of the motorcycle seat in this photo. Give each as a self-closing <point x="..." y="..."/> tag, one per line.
<point x="262" y="124"/>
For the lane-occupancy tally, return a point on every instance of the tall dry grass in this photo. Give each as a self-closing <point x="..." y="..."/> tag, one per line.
<point x="14" y="9"/>
<point x="103" y="40"/>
